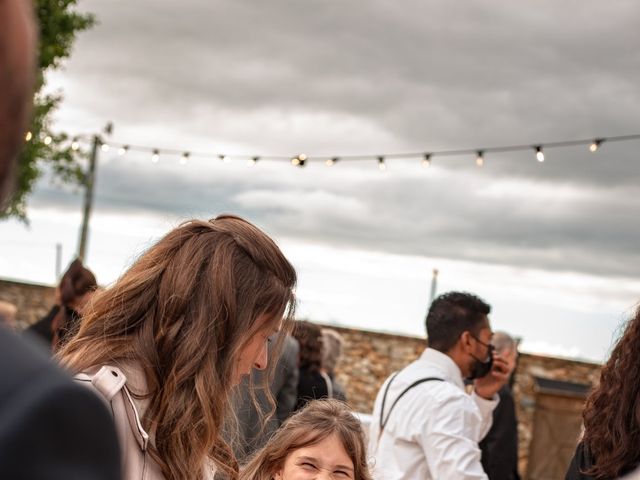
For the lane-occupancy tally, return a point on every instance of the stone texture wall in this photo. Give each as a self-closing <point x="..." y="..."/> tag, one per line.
<point x="32" y="301"/>
<point x="368" y="359"/>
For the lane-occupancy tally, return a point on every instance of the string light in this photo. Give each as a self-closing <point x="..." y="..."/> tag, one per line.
<point x="252" y="161"/>
<point x="593" y="144"/>
<point x="299" y="160"/>
<point x="28" y="136"/>
<point x="184" y="158"/>
<point x="75" y="145"/>
<point x="48" y="140"/>
<point x="104" y="147"/>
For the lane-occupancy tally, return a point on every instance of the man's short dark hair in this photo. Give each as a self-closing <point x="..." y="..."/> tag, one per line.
<point x="450" y="315"/>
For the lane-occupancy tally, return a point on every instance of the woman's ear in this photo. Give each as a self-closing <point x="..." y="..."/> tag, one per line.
<point x="278" y="475"/>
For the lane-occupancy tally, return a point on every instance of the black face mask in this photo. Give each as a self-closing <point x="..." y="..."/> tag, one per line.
<point x="481" y="369"/>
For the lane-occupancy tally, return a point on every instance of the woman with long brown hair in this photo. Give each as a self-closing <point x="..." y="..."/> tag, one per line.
<point x="323" y="440"/>
<point x="611" y="439"/>
<point x="77" y="285"/>
<point x="166" y="344"/>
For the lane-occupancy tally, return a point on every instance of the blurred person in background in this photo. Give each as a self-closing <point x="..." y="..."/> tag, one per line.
<point x="77" y="286"/>
<point x="50" y="427"/>
<point x="168" y="343"/>
<point x="332" y="343"/>
<point x="313" y="383"/>
<point x="500" y="446"/>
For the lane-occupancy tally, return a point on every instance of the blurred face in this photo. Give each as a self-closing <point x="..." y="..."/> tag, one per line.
<point x="17" y="68"/>
<point x="326" y="459"/>
<point x="255" y="352"/>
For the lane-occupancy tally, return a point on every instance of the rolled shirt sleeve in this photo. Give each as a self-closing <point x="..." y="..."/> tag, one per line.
<point x="450" y="437"/>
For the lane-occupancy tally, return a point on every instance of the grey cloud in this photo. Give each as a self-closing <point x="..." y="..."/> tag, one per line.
<point x="340" y="77"/>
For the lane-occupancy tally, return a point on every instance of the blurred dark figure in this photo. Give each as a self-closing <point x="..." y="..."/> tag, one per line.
<point x="283" y="388"/>
<point x="313" y="383"/>
<point x="332" y="343"/>
<point x="77" y="285"/>
<point x="50" y="427"/>
<point x="500" y="446"/>
<point x="609" y="445"/>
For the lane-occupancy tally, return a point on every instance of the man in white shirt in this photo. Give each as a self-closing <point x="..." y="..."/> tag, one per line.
<point x="425" y="426"/>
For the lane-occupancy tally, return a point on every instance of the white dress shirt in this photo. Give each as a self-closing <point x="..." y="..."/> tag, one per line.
<point x="434" y="430"/>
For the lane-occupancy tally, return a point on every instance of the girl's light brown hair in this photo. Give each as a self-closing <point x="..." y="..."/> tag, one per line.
<point x="318" y="420"/>
<point x="183" y="312"/>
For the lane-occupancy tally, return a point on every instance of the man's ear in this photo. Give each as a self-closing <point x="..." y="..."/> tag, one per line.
<point x="465" y="341"/>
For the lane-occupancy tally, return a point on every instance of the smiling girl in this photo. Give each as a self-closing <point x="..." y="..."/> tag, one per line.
<point x="322" y="441"/>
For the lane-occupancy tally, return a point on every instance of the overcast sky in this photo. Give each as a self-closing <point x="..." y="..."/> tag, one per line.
<point x="552" y="246"/>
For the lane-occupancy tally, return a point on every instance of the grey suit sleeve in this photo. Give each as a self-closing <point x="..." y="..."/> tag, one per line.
<point x="285" y="385"/>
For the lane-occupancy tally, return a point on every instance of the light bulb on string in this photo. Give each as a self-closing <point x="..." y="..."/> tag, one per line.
<point x="184" y="158"/>
<point x="75" y="145"/>
<point x="595" y="145"/>
<point x="381" y="165"/>
<point x="224" y="158"/>
<point x="252" y="161"/>
<point x="299" y="160"/>
<point x="426" y="161"/>
<point x="28" y="137"/>
<point x="155" y="156"/>
<point x="48" y="140"/>
<point x="104" y="147"/>
<point x="122" y="151"/>
<point x="330" y="162"/>
<point x="480" y="158"/>
<point x="539" y="154"/>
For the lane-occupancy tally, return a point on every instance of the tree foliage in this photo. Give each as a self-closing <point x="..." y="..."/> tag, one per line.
<point x="59" y="23"/>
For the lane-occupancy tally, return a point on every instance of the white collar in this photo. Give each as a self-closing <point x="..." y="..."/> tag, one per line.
<point x="445" y="363"/>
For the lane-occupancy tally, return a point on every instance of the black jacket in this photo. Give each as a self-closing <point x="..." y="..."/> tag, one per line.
<point x="500" y="446"/>
<point x="50" y="427"/>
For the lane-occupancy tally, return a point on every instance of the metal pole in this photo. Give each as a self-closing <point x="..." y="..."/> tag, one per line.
<point x="89" y="183"/>
<point x="58" y="260"/>
<point x="434" y="286"/>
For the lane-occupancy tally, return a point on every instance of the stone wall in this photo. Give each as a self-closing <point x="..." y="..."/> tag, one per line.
<point x="369" y="358"/>
<point x="32" y="301"/>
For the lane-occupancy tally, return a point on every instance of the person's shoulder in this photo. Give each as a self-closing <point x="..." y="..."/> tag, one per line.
<point x="21" y="359"/>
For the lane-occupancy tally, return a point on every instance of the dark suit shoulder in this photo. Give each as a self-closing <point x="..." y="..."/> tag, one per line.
<point x="50" y="426"/>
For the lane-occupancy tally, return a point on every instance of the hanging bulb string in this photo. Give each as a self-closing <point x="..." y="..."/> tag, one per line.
<point x="593" y="144"/>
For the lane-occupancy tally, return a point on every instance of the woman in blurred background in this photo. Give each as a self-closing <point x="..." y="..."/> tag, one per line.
<point x="76" y="288"/>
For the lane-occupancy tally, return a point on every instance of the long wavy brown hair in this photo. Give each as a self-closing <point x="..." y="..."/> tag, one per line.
<point x="183" y="312"/>
<point x="612" y="412"/>
<point x="318" y="420"/>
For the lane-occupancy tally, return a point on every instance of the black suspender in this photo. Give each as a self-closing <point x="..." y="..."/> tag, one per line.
<point x="383" y="420"/>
